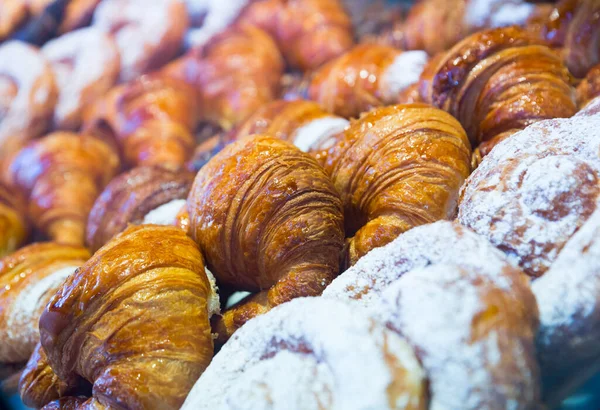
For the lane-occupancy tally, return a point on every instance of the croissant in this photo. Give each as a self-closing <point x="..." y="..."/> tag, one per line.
<point x="312" y="353"/>
<point x="151" y="120"/>
<point x="163" y="294"/>
<point x="147" y="38"/>
<point x="80" y="83"/>
<point x="589" y="88"/>
<point x="367" y="76"/>
<point x="497" y="82"/>
<point x="78" y="14"/>
<point x="535" y="190"/>
<point x="28" y="278"/>
<point x="141" y="195"/>
<point x="235" y="73"/>
<point x="61" y="175"/>
<point x="12" y="14"/>
<point x="268" y="220"/>
<point x="27" y="97"/>
<point x="13" y="223"/>
<point x="396" y="168"/>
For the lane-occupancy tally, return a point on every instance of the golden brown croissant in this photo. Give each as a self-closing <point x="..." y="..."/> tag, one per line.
<point x="589" y="88"/>
<point x="148" y="281"/>
<point x="268" y="220"/>
<point x="368" y="76"/>
<point x="13" y="223"/>
<point x="61" y="175"/>
<point x="235" y="73"/>
<point x="396" y="168"/>
<point x="497" y="82"/>
<point x="12" y="14"/>
<point x="150" y="119"/>
<point x="28" y="278"/>
<point x="141" y="195"/>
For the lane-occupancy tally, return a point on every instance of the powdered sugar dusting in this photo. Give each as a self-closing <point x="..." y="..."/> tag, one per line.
<point x="165" y="214"/>
<point x="568" y="300"/>
<point x="510" y="14"/>
<point x="439" y="309"/>
<point x="219" y="15"/>
<point x="535" y="189"/>
<point x="591" y="108"/>
<point x="497" y="13"/>
<point x="420" y="247"/>
<point x="310" y="351"/>
<point x="311" y="135"/>
<point x="404" y="71"/>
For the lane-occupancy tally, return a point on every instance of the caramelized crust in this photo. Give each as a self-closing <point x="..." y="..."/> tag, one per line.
<point x="131" y="196"/>
<point x="269" y="220"/>
<point x="13" y="223"/>
<point x="589" y="88"/>
<point x="148" y="281"/>
<point x="151" y="120"/>
<point x="61" y="175"/>
<point x="396" y="168"/>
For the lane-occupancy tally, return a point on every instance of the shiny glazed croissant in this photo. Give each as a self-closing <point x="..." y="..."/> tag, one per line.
<point x="312" y="353"/>
<point x="497" y="82"/>
<point x="367" y="76"/>
<point x="61" y="175"/>
<point x="139" y="196"/>
<point x="268" y="220"/>
<point x="396" y="168"/>
<point x="133" y="321"/>
<point x="150" y="119"/>
<point x="28" y="279"/>
<point x="589" y="88"/>
<point x="13" y="223"/>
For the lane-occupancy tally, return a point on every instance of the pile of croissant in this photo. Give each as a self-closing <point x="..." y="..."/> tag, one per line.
<point x="299" y="204"/>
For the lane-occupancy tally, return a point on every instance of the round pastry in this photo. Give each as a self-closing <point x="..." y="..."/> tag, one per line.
<point x="396" y="168"/>
<point x="473" y="331"/>
<point x="147" y="37"/>
<point x="86" y="65"/>
<point x="148" y="280"/>
<point x="535" y="190"/>
<point x="28" y="279"/>
<point x="268" y="220"/>
<point x="312" y="353"/>
<point x="13" y="222"/>
<point x="12" y="14"/>
<point x="143" y="195"/>
<point x="28" y="93"/>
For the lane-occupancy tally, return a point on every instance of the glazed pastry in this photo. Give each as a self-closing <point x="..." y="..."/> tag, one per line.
<point x="312" y="353"/>
<point x="28" y="279"/>
<point x="303" y="123"/>
<point x="589" y="88"/>
<point x="13" y="223"/>
<point x="535" y="190"/>
<point x="268" y="220"/>
<point x="481" y="354"/>
<point x="78" y="14"/>
<point x="166" y="293"/>
<point x="142" y="195"/>
<point x="28" y="94"/>
<point x="12" y="15"/>
<point x="79" y="81"/>
<point x="61" y="175"/>
<point x="396" y="168"/>
<point x="147" y="37"/>
<point x="151" y="120"/>
<point x="497" y="82"/>
<point x="365" y="77"/>
<point x="235" y="73"/>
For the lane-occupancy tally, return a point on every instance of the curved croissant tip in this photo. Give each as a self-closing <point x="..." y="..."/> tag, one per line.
<point x="67" y="232"/>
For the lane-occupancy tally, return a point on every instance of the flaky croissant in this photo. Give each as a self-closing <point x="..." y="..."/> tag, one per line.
<point x="13" y="222"/>
<point x="589" y="88"/>
<point x="133" y="321"/>
<point x="140" y="195"/>
<point x="235" y="73"/>
<point x="61" y="175"/>
<point x="28" y="278"/>
<point x="396" y="168"/>
<point x="268" y="220"/>
<point x="497" y="82"/>
<point x="367" y="76"/>
<point x="151" y="120"/>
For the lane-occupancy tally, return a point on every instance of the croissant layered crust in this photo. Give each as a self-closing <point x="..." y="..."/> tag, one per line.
<point x="61" y="175"/>
<point x="149" y="281"/>
<point x="589" y="88"/>
<point x="396" y="168"/>
<point x="268" y="220"/>
<point x="129" y="199"/>
<point x="13" y="221"/>
<point x="28" y="278"/>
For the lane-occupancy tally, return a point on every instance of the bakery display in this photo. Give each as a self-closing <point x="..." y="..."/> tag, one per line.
<point x="299" y="204"/>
